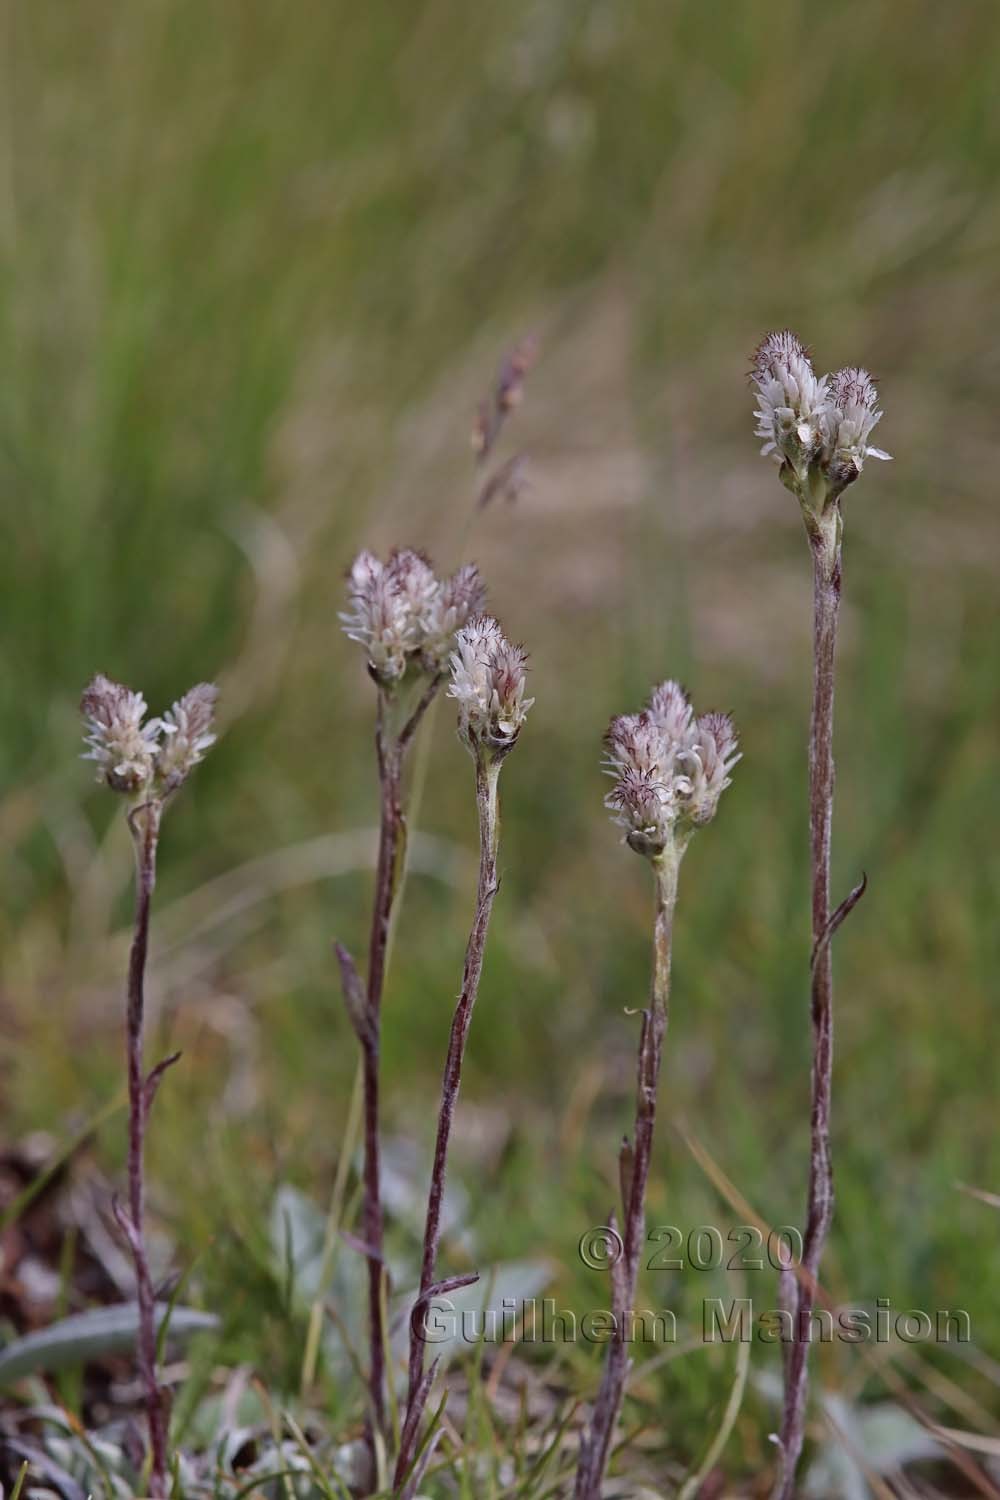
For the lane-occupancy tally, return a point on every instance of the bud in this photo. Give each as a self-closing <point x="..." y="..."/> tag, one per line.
<point x="670" y="770"/>
<point x="488" y="680"/>
<point x="123" y="747"/>
<point x="188" y="731"/>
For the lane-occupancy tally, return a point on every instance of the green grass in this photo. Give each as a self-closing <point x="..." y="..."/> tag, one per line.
<point x="258" y="263"/>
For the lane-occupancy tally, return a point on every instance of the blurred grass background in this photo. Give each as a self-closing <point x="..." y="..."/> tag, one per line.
<point x="259" y="262"/>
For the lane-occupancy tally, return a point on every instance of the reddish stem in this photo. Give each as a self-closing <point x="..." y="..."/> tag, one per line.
<point x="145" y="825"/>
<point x="390" y="834"/>
<point x="390" y="751"/>
<point x="595" y="1444"/>
<point x="486" y="795"/>
<point x="826" y="553"/>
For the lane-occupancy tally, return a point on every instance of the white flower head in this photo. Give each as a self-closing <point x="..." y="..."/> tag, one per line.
<point x="123" y="747"/>
<point x="488" y="679"/>
<point x="851" y="413"/>
<point x="790" y="397"/>
<point x="412" y="579"/>
<point x="188" y="731"/>
<point x="670" y="711"/>
<point x="456" y="601"/>
<point x="817" y="427"/>
<point x="381" y="618"/>
<point x="403" y="615"/>
<point x="670" y="769"/>
<point x="152" y="757"/>
<point x="710" y="754"/>
<point x="363" y="570"/>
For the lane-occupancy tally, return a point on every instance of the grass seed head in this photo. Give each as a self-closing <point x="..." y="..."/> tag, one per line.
<point x="188" y="730"/>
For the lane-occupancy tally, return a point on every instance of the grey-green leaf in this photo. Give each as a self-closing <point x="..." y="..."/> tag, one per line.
<point x="89" y="1335"/>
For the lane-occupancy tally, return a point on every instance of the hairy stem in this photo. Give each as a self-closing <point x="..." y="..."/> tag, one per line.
<point x="826" y="553"/>
<point x="389" y="844"/>
<point x="487" y="778"/>
<point x="595" y="1445"/>
<point x="145" y="825"/>
<point x="390" y="748"/>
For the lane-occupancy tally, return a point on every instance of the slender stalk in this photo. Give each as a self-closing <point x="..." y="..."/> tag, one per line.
<point x="595" y="1446"/>
<point x="152" y="759"/>
<point x="826" y="553"/>
<point x="145" y="825"/>
<point x="390" y="749"/>
<point x="487" y="778"/>
<point x="331" y="1241"/>
<point x="390" y="835"/>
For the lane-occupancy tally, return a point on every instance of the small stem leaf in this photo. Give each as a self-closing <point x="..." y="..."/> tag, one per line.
<point x="154" y="1078"/>
<point x="838" y="918"/>
<point x="355" y="1001"/>
<point x="125" y="1224"/>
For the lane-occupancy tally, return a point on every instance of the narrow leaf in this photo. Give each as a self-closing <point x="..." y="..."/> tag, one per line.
<point x="90" y="1335"/>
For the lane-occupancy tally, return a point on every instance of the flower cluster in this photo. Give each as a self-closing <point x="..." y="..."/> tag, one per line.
<point x="670" y="768"/>
<point x="818" y="426"/>
<point x="152" y="757"/>
<point x="403" y="615"/>
<point x="488" y="680"/>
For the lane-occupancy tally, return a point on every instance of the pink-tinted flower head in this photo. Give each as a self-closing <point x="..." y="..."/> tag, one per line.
<point x="851" y="415"/>
<point x="816" y="426"/>
<point x="488" y="680"/>
<point x="403" y="615"/>
<point x="670" y="769"/>
<point x="457" y="600"/>
<point x="117" y="739"/>
<point x="709" y="756"/>
<point x="790" y="397"/>
<point x="188" y="730"/>
<point x="148" y="758"/>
